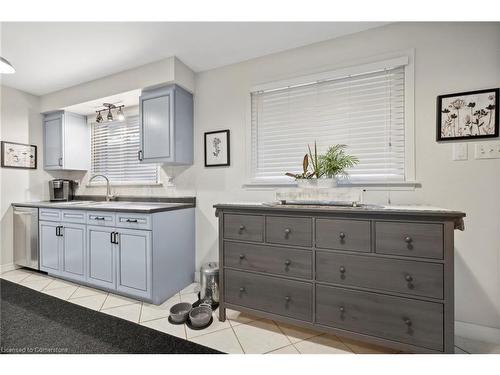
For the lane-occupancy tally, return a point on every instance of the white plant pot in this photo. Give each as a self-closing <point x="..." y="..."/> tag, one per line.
<point x="317" y="183"/>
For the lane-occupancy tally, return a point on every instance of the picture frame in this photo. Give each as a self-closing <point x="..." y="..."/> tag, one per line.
<point x="18" y="155"/>
<point x="468" y="115"/>
<point x="217" y="148"/>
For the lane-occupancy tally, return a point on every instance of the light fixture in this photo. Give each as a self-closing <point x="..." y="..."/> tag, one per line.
<point x="6" y="67"/>
<point x="120" y="114"/>
<point x="98" y="118"/>
<point x="109" y="107"/>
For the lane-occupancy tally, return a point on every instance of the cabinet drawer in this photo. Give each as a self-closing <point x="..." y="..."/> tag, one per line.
<point x="133" y="221"/>
<point x="405" y="320"/>
<point x="101" y="218"/>
<point x="244" y="227"/>
<point x="296" y="231"/>
<point x="49" y="214"/>
<point x="73" y="216"/>
<point x="270" y="294"/>
<point x="419" y="240"/>
<point x="270" y="259"/>
<point x="352" y="235"/>
<point x="403" y="276"/>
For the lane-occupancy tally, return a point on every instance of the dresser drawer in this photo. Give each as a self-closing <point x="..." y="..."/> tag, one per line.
<point x="270" y="294"/>
<point x="101" y="218"/>
<point x="49" y="214"/>
<point x="133" y="221"/>
<point x="351" y="235"/>
<point x="244" y="227"/>
<point x="405" y="320"/>
<point x="421" y="240"/>
<point x="296" y="231"/>
<point x="402" y="276"/>
<point x="73" y="216"/>
<point x="269" y="259"/>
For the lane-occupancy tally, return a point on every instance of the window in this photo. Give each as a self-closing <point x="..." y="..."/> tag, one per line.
<point x="363" y="108"/>
<point x="114" y="153"/>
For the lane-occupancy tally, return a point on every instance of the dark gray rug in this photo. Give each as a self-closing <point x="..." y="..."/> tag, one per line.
<point x="33" y="322"/>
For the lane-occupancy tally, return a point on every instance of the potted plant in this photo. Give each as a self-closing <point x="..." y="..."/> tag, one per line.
<point x="325" y="169"/>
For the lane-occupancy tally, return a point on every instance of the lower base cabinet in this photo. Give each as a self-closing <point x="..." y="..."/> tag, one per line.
<point x="50" y="257"/>
<point x="101" y="257"/>
<point x="73" y="251"/>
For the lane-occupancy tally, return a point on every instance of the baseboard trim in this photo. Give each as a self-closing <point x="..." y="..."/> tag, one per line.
<point x="477" y="332"/>
<point x="8" y="267"/>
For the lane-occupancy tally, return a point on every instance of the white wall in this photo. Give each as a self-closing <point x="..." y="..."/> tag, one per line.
<point x="21" y="122"/>
<point x="449" y="57"/>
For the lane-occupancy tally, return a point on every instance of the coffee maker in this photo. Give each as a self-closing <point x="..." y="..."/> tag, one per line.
<point x="61" y="190"/>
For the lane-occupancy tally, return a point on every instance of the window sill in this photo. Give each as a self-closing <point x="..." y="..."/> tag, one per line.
<point x="367" y="186"/>
<point x="159" y="184"/>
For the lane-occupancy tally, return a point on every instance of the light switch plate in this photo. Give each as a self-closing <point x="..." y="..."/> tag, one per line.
<point x="460" y="151"/>
<point x="487" y="150"/>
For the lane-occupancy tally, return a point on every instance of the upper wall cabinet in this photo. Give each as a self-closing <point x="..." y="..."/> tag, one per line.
<point x="166" y="126"/>
<point x="66" y="141"/>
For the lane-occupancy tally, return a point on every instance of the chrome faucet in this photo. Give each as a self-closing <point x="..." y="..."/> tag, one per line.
<point x="108" y="189"/>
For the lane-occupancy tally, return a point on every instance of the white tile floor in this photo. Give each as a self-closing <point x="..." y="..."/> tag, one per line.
<point x="240" y="333"/>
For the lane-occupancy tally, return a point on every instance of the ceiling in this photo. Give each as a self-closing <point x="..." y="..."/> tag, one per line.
<point x="50" y="56"/>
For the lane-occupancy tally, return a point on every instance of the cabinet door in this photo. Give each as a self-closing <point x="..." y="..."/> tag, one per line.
<point x="73" y="251"/>
<point x="50" y="244"/>
<point x="134" y="262"/>
<point x="156" y="128"/>
<point x="53" y="142"/>
<point x="100" y="257"/>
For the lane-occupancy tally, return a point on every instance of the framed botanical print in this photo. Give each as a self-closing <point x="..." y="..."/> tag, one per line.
<point x="217" y="152"/>
<point x="18" y="155"/>
<point x="468" y="115"/>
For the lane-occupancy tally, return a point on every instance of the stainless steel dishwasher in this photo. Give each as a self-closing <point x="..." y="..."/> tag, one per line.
<point x="26" y="252"/>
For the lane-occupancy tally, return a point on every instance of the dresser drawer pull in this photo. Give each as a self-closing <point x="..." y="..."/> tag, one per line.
<point x="242" y="289"/>
<point x="242" y="256"/>
<point x="242" y="228"/>
<point x="288" y="262"/>
<point x="287" y="298"/>
<point x="342" y="309"/>
<point x="409" y="278"/>
<point x="342" y="235"/>
<point x="342" y="269"/>
<point x="131" y="220"/>
<point x="99" y="218"/>
<point x="287" y="232"/>
<point x="408" y="239"/>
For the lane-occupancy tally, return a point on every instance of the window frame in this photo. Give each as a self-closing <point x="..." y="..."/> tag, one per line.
<point x="405" y="58"/>
<point x="101" y="182"/>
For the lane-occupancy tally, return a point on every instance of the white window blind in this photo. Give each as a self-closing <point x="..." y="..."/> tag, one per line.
<point x="364" y="111"/>
<point x="114" y="153"/>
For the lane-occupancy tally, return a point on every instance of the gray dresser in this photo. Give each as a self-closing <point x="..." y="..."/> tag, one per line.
<point x="382" y="275"/>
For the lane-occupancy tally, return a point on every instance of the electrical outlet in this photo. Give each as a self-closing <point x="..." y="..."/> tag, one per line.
<point x="487" y="150"/>
<point x="460" y="151"/>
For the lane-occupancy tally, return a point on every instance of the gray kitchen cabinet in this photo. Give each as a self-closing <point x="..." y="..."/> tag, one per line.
<point x="378" y="275"/>
<point x="50" y="260"/>
<point x="66" y="141"/>
<point x="73" y="251"/>
<point x="133" y="269"/>
<point x="166" y="125"/>
<point x="101" y="256"/>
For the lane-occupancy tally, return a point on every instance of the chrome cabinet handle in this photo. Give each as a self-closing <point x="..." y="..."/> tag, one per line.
<point x="139" y="155"/>
<point x="407" y="322"/>
<point x="242" y="256"/>
<point x="60" y="162"/>
<point x="342" y="269"/>
<point x="287" y="298"/>
<point x="99" y="218"/>
<point x="408" y="239"/>
<point x="131" y="220"/>
<point x="287" y="231"/>
<point x="342" y="235"/>
<point x="288" y="262"/>
<point x="409" y="278"/>
<point x="342" y="309"/>
<point x="242" y="289"/>
<point x="242" y="228"/>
